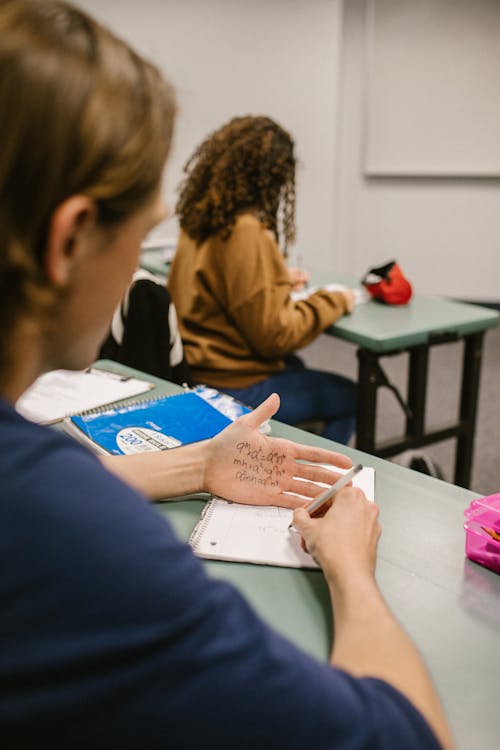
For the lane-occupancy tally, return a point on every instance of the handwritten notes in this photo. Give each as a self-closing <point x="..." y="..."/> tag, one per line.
<point x="258" y="467"/>
<point x="248" y="533"/>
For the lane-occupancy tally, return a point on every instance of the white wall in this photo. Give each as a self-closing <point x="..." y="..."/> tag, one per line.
<point x="445" y="231"/>
<point x="231" y="57"/>
<point x="303" y="63"/>
<point x="432" y="93"/>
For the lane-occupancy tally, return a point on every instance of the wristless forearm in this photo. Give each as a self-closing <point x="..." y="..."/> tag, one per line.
<point x="369" y="642"/>
<point x="176" y="472"/>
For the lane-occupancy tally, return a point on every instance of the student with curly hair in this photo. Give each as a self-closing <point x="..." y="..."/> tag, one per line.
<point x="231" y="287"/>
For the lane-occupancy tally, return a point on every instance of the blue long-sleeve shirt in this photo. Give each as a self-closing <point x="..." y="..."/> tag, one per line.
<point x="113" y="636"/>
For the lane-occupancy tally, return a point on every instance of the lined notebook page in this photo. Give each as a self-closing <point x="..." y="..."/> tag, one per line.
<point x="255" y="534"/>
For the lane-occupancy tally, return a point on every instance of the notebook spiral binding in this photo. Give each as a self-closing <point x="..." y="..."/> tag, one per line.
<point x="202" y="524"/>
<point x="145" y="398"/>
<point x="115" y="406"/>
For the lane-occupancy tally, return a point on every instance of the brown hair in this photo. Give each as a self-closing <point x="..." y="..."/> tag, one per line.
<point x="82" y="113"/>
<point x="248" y="164"/>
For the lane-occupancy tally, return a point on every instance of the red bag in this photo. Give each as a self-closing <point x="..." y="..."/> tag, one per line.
<point x="388" y="284"/>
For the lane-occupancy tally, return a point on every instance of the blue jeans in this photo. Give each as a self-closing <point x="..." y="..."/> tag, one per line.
<point x="307" y="395"/>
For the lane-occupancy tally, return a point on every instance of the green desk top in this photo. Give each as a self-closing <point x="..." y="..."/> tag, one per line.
<point x="449" y="605"/>
<point x="384" y="328"/>
<point x="152" y="261"/>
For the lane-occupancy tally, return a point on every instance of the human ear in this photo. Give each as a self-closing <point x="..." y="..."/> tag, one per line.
<point x="68" y="237"/>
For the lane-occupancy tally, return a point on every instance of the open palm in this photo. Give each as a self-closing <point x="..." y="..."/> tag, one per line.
<point x="248" y="467"/>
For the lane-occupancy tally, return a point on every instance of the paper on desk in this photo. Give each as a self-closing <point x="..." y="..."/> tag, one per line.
<point x="360" y="294"/>
<point x="60" y="393"/>
<point x="259" y="534"/>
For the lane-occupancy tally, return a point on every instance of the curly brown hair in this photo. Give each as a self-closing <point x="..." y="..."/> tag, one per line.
<point x="247" y="164"/>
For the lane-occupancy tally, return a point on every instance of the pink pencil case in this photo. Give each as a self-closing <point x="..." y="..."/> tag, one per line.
<point x="482" y="531"/>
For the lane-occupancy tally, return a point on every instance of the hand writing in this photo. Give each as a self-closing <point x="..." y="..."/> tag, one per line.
<point x="246" y="466"/>
<point x="299" y="278"/>
<point x="348" y="295"/>
<point x="344" y="541"/>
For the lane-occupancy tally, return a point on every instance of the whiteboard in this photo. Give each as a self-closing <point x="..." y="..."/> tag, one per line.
<point x="432" y="104"/>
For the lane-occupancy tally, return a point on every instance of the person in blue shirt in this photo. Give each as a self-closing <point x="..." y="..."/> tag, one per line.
<point x="111" y="633"/>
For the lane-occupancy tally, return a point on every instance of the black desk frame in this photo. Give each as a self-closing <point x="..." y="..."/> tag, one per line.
<point x="371" y="377"/>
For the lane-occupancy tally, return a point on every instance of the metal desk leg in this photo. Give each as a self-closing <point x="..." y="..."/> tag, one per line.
<point x="417" y="390"/>
<point x="366" y="408"/>
<point x="471" y="371"/>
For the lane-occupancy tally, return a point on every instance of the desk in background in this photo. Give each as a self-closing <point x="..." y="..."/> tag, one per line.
<point x="153" y="260"/>
<point x="379" y="331"/>
<point x="449" y="605"/>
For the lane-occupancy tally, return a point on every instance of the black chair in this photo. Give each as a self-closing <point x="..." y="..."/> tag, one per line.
<point x="144" y="332"/>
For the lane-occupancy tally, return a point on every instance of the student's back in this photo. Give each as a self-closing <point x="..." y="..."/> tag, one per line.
<point x="231" y="286"/>
<point x="237" y="320"/>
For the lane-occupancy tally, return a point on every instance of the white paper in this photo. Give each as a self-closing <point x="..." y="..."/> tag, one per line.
<point x="59" y="393"/>
<point x="259" y="534"/>
<point x="360" y="294"/>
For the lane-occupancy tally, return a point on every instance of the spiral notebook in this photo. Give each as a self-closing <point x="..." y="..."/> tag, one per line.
<point x="155" y="424"/>
<point x="258" y="534"/>
<point x="59" y="393"/>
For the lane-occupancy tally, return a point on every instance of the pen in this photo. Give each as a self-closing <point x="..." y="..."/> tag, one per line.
<point x="327" y="495"/>
<point x="300" y="266"/>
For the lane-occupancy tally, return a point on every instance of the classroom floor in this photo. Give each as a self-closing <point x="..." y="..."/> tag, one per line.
<point x="328" y="353"/>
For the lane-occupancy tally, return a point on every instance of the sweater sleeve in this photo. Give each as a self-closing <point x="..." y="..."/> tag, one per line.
<point x="275" y="325"/>
<point x="257" y="289"/>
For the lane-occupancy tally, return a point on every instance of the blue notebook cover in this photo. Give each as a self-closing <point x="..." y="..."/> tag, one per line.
<point x="222" y="402"/>
<point x="151" y="425"/>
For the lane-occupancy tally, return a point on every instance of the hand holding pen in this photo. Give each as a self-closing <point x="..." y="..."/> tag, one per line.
<point x="299" y="277"/>
<point x="320" y="505"/>
<point x="343" y="539"/>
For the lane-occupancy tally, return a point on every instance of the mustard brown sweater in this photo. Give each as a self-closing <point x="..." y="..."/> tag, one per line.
<point x="236" y="318"/>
